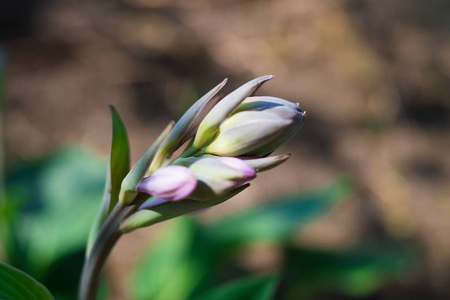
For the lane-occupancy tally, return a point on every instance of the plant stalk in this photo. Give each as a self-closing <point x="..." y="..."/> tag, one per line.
<point x="106" y="239"/>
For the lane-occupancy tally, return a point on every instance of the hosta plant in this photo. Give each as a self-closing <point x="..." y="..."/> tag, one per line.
<point x="228" y="141"/>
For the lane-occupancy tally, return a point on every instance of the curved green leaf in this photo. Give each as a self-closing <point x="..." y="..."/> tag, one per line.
<point x="17" y="285"/>
<point x="118" y="168"/>
<point x="120" y="157"/>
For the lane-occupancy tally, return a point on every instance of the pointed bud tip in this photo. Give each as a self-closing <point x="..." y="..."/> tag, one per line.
<point x="285" y="156"/>
<point x="112" y="109"/>
<point x="261" y="164"/>
<point x="265" y="78"/>
<point x="218" y="87"/>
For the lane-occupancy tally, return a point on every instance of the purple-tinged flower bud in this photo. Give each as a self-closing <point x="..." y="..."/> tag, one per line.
<point x="257" y="127"/>
<point x="170" y="183"/>
<point x="240" y="165"/>
<point x="217" y="176"/>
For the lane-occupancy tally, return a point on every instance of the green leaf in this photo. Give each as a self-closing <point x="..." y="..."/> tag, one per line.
<point x="17" y="285"/>
<point x="57" y="198"/>
<point x="118" y="168"/>
<point x="256" y="287"/>
<point x="356" y="272"/>
<point x="120" y="157"/>
<point x="168" y="270"/>
<point x="276" y="220"/>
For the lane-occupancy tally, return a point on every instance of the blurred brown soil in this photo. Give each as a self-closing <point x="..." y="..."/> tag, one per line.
<point x="373" y="76"/>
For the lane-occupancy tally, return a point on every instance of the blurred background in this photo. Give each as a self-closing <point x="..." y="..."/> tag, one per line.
<point x="374" y="77"/>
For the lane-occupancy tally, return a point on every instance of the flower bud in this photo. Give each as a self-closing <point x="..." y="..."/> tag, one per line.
<point x="257" y="127"/>
<point x="240" y="165"/>
<point x="170" y="183"/>
<point x="210" y="124"/>
<point x="217" y="176"/>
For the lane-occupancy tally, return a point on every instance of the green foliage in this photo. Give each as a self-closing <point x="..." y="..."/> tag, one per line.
<point x="169" y="262"/>
<point x="356" y="272"/>
<point x="51" y="203"/>
<point x="276" y="220"/>
<point x="118" y="168"/>
<point x="120" y="157"/>
<point x="258" y="287"/>
<point x="17" y="285"/>
<point x="191" y="254"/>
<point x="199" y="258"/>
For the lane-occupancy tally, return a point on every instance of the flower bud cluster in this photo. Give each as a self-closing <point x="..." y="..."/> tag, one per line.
<point x="230" y="140"/>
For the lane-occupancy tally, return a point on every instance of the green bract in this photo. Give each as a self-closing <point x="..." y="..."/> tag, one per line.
<point x="187" y="125"/>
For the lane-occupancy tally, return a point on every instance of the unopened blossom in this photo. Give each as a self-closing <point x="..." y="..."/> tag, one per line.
<point x="257" y="127"/>
<point x="170" y="183"/>
<point x="229" y="141"/>
<point x="217" y="176"/>
<point x="243" y="125"/>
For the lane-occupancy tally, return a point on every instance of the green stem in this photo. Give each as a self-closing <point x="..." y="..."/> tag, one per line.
<point x="191" y="150"/>
<point x="107" y="237"/>
<point x="102" y="213"/>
